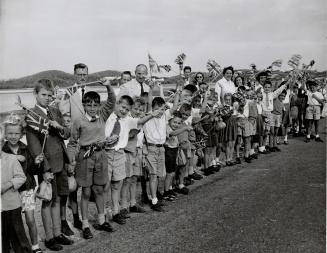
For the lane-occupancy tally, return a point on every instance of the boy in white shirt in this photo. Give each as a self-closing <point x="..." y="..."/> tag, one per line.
<point x="117" y="130"/>
<point x="315" y="100"/>
<point x="155" y="138"/>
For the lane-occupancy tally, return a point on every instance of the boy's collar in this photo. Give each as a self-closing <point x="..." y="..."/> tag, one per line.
<point x="91" y="119"/>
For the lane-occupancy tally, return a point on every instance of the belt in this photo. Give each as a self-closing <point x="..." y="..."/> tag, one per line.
<point x="155" y="145"/>
<point x="95" y="147"/>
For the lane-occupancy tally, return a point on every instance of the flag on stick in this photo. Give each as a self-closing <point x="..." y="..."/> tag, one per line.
<point x="214" y="68"/>
<point x="180" y="60"/>
<point x="294" y="61"/>
<point x="154" y="67"/>
<point x="167" y="68"/>
<point x="37" y="123"/>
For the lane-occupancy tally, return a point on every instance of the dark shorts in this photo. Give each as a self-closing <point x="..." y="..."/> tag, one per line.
<point x="170" y="159"/>
<point x="93" y="170"/>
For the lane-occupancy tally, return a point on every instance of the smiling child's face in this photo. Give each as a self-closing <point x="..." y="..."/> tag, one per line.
<point x="138" y="110"/>
<point x="175" y="123"/>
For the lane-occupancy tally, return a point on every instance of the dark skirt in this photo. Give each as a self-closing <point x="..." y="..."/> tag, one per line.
<point x="209" y="128"/>
<point x="230" y="131"/>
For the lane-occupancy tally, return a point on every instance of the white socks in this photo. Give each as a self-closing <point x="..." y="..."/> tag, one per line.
<point x="85" y="224"/>
<point x="154" y="201"/>
<point x="101" y="218"/>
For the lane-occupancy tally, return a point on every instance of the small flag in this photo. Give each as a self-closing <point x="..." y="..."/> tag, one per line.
<point x="253" y="66"/>
<point x="180" y="59"/>
<point x="37" y="123"/>
<point x="214" y="68"/>
<point x="167" y="68"/>
<point x="278" y="63"/>
<point x="154" y="68"/>
<point x="294" y="61"/>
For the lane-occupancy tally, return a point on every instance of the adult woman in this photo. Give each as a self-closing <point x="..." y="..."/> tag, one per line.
<point x="239" y="81"/>
<point x="225" y="85"/>
<point x="198" y="78"/>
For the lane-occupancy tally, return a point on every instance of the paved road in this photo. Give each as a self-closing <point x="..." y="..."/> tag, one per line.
<point x="276" y="204"/>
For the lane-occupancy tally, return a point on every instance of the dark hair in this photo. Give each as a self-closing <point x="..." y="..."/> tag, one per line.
<point x="267" y="82"/>
<point x="45" y="84"/>
<point x="185" y="107"/>
<point x="126" y="73"/>
<point x="203" y="83"/>
<point x="262" y="73"/>
<point x="139" y="100"/>
<point x="311" y="83"/>
<point x="242" y="87"/>
<point x="79" y="66"/>
<point x="91" y="96"/>
<point x="187" y="67"/>
<point x="190" y="87"/>
<point x="159" y="101"/>
<point x="284" y="92"/>
<point x="145" y="94"/>
<point x="241" y="79"/>
<point x="177" y="114"/>
<point x="195" y="77"/>
<point x="228" y="68"/>
<point x="126" y="98"/>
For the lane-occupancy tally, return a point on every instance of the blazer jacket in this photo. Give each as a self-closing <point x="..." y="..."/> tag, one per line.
<point x="55" y="153"/>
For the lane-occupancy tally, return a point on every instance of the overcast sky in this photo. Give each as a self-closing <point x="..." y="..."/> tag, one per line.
<point x="39" y="35"/>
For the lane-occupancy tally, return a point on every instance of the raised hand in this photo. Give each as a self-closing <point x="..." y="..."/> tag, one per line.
<point x="39" y="159"/>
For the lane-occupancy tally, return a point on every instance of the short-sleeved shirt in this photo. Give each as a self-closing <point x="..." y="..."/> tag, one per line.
<point x="155" y="129"/>
<point x="313" y="101"/>
<point x="172" y="140"/>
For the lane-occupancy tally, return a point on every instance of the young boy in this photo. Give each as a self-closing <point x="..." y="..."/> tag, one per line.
<point x="55" y="158"/>
<point x="117" y="131"/>
<point x="86" y="147"/>
<point x="155" y="137"/>
<point x="315" y="100"/>
<point x="12" y="177"/>
<point x="133" y="153"/>
<point x="171" y="148"/>
<point x="268" y="97"/>
<point x="13" y="133"/>
<point x="276" y="120"/>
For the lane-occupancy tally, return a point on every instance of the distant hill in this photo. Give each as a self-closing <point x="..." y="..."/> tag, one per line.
<point x="63" y="79"/>
<point x="60" y="78"/>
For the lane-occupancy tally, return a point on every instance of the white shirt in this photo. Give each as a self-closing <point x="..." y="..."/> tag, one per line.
<point x="313" y="101"/>
<point x="140" y="138"/>
<point x="155" y="129"/>
<point x="268" y="104"/>
<point x="132" y="89"/>
<point x="126" y="124"/>
<point x="259" y="107"/>
<point x="287" y="97"/>
<point x="258" y="86"/>
<point x="223" y="86"/>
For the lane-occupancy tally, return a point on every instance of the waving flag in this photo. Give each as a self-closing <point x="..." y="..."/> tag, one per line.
<point x="214" y="68"/>
<point x="154" y="68"/>
<point x="37" y="123"/>
<point x="253" y="66"/>
<point x="167" y="68"/>
<point x="294" y="61"/>
<point x="278" y="63"/>
<point x="180" y="59"/>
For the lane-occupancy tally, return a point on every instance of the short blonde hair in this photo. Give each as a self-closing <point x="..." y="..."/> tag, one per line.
<point x="14" y="120"/>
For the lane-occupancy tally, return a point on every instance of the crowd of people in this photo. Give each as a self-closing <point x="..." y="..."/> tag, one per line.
<point x="163" y="143"/>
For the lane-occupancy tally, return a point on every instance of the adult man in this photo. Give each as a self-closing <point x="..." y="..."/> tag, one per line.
<point x="73" y="105"/>
<point x="125" y="77"/>
<point x="187" y="75"/>
<point x="138" y="86"/>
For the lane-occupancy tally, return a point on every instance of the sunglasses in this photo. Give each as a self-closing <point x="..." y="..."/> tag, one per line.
<point x="199" y="76"/>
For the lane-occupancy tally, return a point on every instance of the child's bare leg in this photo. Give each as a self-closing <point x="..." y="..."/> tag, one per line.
<point x="115" y="195"/>
<point x="31" y="224"/>
<point x="271" y="137"/>
<point x="169" y="180"/>
<point x="316" y="123"/>
<point x="99" y="201"/>
<point x="153" y="188"/>
<point x="124" y="192"/>
<point x="309" y="126"/>
<point x="238" y="146"/>
<point x="247" y="146"/>
<point x="133" y="190"/>
<point x="86" y="193"/>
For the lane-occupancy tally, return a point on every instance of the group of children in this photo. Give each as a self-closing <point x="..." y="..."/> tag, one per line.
<point x="112" y="146"/>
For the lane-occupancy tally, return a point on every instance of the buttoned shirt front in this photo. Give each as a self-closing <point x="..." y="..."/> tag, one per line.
<point x="132" y="88"/>
<point x="223" y="86"/>
<point x="126" y="124"/>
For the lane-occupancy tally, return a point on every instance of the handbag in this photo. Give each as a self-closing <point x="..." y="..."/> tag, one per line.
<point x="180" y="159"/>
<point x="44" y="191"/>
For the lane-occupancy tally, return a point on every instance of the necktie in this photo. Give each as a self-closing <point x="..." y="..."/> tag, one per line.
<point x="116" y="129"/>
<point x="83" y="91"/>
<point x="142" y="89"/>
<point x="93" y="119"/>
<point x="267" y="101"/>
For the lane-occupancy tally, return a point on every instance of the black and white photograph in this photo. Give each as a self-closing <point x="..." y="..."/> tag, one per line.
<point x="163" y="126"/>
